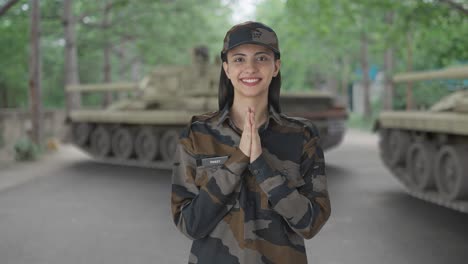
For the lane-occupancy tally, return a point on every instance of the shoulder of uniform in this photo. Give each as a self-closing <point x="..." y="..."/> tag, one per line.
<point x="198" y="120"/>
<point x="203" y="117"/>
<point x="307" y="124"/>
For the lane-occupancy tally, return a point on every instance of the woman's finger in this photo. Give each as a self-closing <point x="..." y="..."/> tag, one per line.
<point x="247" y="122"/>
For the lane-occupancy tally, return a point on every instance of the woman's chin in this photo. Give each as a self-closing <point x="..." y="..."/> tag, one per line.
<point x="252" y="91"/>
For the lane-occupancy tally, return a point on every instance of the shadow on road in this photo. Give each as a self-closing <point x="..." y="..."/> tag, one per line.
<point x="417" y="210"/>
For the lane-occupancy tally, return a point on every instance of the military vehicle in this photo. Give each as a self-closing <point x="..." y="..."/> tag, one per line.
<point x="428" y="150"/>
<point x="143" y="130"/>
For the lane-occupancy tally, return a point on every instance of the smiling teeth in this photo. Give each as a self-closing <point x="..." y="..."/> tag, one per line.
<point x="250" y="80"/>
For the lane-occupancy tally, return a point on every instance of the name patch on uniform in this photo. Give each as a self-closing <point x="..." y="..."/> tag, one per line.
<point x="214" y="161"/>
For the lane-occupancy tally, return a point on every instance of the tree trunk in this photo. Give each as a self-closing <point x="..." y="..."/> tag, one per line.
<point x="345" y="76"/>
<point x="389" y="89"/>
<point x="107" y="53"/>
<point x="409" y="68"/>
<point x="35" y="73"/>
<point x="332" y="85"/>
<point x="388" y="93"/>
<point x="73" y="100"/>
<point x="365" y="75"/>
<point x="121" y="53"/>
<point x="136" y="70"/>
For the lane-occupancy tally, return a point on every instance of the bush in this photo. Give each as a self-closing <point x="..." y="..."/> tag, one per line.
<point x="26" y="150"/>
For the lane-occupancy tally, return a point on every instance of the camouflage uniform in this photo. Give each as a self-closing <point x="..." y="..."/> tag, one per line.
<point x="238" y="212"/>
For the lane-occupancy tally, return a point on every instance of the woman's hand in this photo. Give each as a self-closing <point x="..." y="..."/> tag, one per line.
<point x="256" y="146"/>
<point x="246" y="138"/>
<point x="250" y="143"/>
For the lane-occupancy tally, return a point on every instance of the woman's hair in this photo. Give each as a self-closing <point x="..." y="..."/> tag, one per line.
<point x="253" y="33"/>
<point x="226" y="91"/>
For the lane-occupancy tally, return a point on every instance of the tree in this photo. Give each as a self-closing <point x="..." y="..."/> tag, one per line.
<point x="319" y="35"/>
<point x="35" y="73"/>
<point x="73" y="100"/>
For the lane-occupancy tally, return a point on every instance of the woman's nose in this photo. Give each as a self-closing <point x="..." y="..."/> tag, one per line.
<point x="250" y="66"/>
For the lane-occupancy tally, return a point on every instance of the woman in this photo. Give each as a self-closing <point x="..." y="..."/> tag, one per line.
<point x="248" y="182"/>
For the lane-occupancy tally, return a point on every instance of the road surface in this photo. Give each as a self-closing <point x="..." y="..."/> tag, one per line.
<point x="69" y="209"/>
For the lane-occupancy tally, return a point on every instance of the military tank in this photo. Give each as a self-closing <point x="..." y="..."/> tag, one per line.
<point x="428" y="150"/>
<point x="143" y="130"/>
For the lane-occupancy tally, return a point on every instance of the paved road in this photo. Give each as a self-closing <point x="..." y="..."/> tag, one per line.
<point x="68" y="209"/>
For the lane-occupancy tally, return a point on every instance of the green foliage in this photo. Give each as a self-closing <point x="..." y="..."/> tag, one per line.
<point x="151" y="32"/>
<point x="154" y="32"/>
<point x="425" y="94"/>
<point x="13" y="53"/>
<point x="26" y="150"/>
<point x="319" y="39"/>
<point x="317" y="36"/>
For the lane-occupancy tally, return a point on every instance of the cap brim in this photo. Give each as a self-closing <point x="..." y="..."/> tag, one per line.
<point x="252" y="42"/>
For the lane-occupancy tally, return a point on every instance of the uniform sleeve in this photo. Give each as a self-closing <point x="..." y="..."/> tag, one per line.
<point x="306" y="208"/>
<point x="201" y="197"/>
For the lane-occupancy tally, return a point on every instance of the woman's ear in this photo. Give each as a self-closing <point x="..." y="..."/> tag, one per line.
<point x="277" y="67"/>
<point x="226" y="69"/>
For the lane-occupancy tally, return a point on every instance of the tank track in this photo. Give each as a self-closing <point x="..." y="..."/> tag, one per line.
<point x="431" y="195"/>
<point x="164" y="143"/>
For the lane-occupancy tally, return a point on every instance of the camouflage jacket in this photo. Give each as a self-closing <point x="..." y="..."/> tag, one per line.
<point x="238" y="212"/>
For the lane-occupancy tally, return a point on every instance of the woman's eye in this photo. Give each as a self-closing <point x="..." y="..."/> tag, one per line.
<point x="262" y="58"/>
<point x="239" y="59"/>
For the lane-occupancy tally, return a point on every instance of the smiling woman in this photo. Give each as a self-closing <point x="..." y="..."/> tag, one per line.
<point x="248" y="182"/>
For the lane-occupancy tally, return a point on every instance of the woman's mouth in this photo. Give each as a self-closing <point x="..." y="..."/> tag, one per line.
<point x="250" y="81"/>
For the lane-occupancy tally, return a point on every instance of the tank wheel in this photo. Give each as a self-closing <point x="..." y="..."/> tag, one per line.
<point x="419" y="161"/>
<point x="100" y="141"/>
<point x="147" y="144"/>
<point x="451" y="172"/>
<point x="122" y="143"/>
<point x="396" y="147"/>
<point x="383" y="138"/>
<point x="80" y="132"/>
<point x="169" y="144"/>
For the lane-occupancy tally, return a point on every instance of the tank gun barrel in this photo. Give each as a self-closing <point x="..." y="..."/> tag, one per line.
<point x="113" y="87"/>
<point x="448" y="73"/>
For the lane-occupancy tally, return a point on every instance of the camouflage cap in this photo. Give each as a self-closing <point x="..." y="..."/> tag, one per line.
<point x="253" y="33"/>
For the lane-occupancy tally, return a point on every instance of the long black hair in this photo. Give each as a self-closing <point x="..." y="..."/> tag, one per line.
<point x="226" y="91"/>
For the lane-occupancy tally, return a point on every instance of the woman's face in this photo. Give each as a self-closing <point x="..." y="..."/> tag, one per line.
<point x="250" y="68"/>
